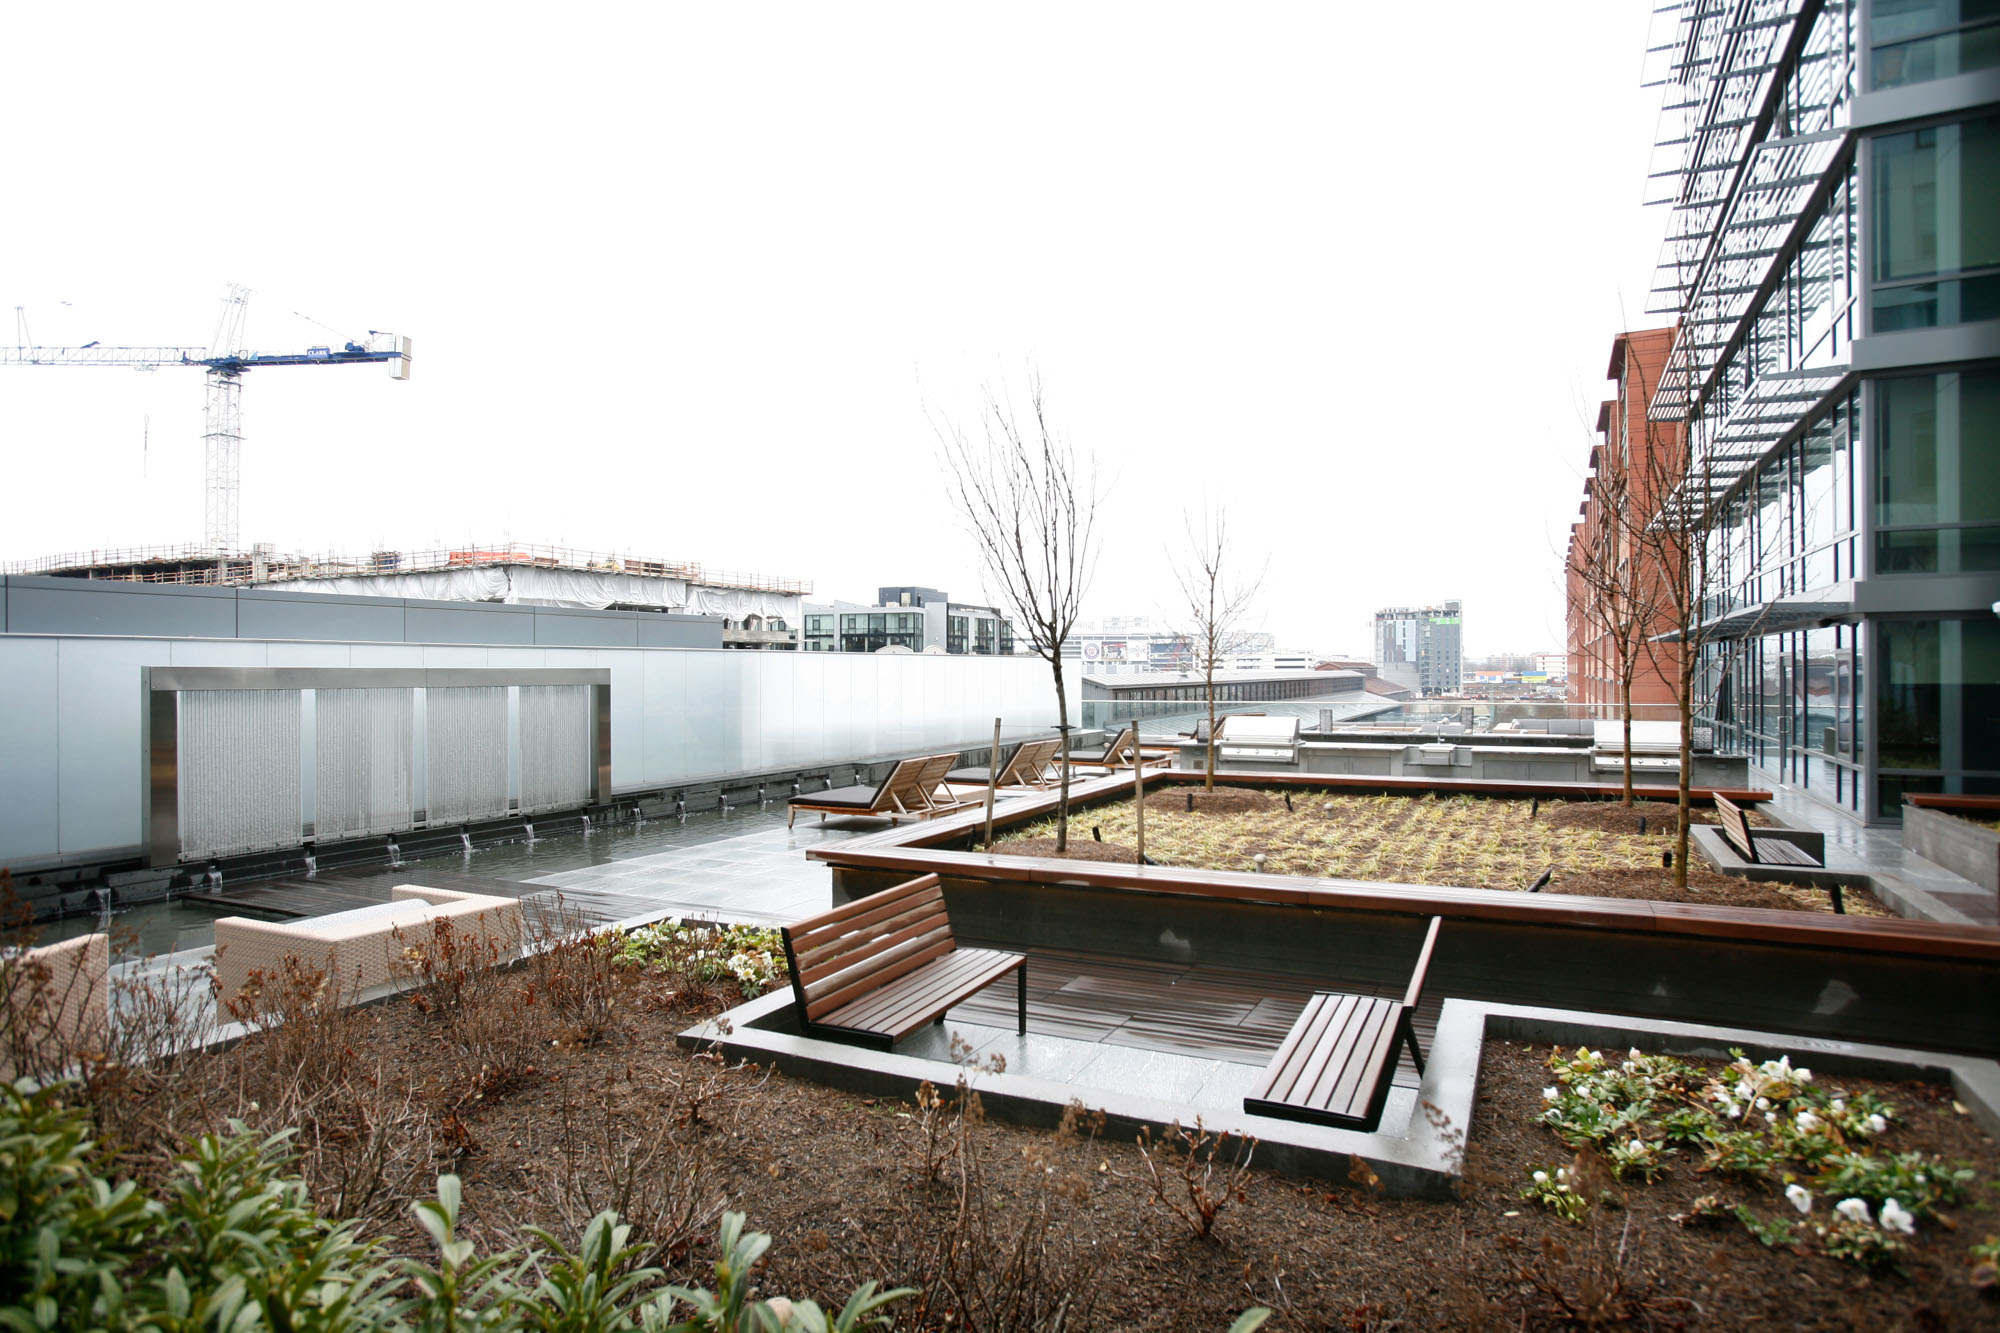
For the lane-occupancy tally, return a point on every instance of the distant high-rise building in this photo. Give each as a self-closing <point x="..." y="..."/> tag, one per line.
<point x="1420" y="646"/>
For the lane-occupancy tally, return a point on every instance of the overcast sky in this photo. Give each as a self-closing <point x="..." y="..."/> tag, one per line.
<point x="686" y="281"/>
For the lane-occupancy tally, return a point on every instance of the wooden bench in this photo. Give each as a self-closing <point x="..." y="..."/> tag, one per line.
<point x="1736" y="831"/>
<point x="877" y="969"/>
<point x="1335" y="1065"/>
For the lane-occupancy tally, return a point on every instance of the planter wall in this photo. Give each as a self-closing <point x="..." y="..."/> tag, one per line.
<point x="1959" y="845"/>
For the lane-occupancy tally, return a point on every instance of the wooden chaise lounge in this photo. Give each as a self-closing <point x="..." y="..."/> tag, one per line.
<point x="877" y="969"/>
<point x="1122" y="752"/>
<point x="1031" y="765"/>
<point x="912" y="790"/>
<point x="1335" y="1065"/>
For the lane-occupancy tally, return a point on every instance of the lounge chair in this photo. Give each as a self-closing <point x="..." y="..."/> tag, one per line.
<point x="1122" y="752"/>
<point x="912" y="790"/>
<point x="1031" y="765"/>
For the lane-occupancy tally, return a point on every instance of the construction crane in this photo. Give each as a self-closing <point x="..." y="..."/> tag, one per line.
<point x="223" y="429"/>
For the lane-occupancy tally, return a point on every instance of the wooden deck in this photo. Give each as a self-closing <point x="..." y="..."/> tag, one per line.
<point x="1208" y="1013"/>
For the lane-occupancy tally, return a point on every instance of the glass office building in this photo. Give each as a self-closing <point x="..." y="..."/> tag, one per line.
<point x="1833" y="173"/>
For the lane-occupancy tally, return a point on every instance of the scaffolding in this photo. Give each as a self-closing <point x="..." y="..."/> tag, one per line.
<point x="201" y="565"/>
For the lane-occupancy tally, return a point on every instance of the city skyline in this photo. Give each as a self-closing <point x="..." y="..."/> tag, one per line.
<point x="698" y="285"/>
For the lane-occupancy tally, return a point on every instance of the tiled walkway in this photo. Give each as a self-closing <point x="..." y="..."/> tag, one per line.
<point x="1880" y="851"/>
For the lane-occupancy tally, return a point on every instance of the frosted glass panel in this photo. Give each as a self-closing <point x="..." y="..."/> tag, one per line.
<point x="363" y="759"/>
<point x="239" y="771"/>
<point x="465" y="754"/>
<point x="556" y="748"/>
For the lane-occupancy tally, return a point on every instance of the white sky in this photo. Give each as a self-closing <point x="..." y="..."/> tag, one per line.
<point x="683" y="280"/>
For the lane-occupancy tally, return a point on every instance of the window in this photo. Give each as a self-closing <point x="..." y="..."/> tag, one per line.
<point x="1915" y="41"/>
<point x="1937" y="234"/>
<point x="1937" y="707"/>
<point x="1937" y="484"/>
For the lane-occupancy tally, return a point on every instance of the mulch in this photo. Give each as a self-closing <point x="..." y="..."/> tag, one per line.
<point x="839" y="1179"/>
<point x="1616" y="817"/>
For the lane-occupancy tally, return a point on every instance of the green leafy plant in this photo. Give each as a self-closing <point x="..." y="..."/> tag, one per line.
<point x="752" y="956"/>
<point x="1773" y="1232"/>
<point x="1554" y="1190"/>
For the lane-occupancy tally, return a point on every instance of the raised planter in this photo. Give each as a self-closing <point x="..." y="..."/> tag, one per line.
<point x="1942" y="829"/>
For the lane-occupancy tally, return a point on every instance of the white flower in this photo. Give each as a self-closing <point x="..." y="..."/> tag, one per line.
<point x="1744" y="1090"/>
<point x="1627" y="1067"/>
<point x="1634" y="1052"/>
<point x="1896" y="1218"/>
<point x="1838" y="1105"/>
<point x="1802" y="1075"/>
<point x="1763" y="1103"/>
<point x="1735" y="1111"/>
<point x="1876" y="1124"/>
<point x="1562" y="1173"/>
<point x="1808" y="1122"/>
<point x="1770" y="1117"/>
<point x="1541" y="1177"/>
<point x="1854" y="1210"/>
<point x="1922" y="1179"/>
<point x="1548" y="1094"/>
<point x="1800" y="1196"/>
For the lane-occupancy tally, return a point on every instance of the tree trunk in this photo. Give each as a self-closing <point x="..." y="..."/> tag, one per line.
<point x="1209" y="785"/>
<point x="1138" y="800"/>
<point x="1625" y="697"/>
<point x="1686" y="692"/>
<point x="1062" y="728"/>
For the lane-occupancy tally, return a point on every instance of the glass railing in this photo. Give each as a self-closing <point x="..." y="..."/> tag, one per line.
<point x="1164" y="720"/>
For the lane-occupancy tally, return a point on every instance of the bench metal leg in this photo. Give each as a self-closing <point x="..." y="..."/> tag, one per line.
<point x="1021" y="997"/>
<point x="1409" y="1026"/>
<point x="1838" y="905"/>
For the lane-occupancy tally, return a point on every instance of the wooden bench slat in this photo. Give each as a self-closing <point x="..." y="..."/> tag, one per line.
<point x="1335" y="1064"/>
<point x="880" y="967"/>
<point x="1370" y="1041"/>
<point x="870" y="975"/>
<point x="866" y="913"/>
<point x="1326" y="1012"/>
<point x="847" y="951"/>
<point x="923" y="995"/>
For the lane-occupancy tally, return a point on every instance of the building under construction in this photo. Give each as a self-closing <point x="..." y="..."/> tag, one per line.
<point x="758" y="610"/>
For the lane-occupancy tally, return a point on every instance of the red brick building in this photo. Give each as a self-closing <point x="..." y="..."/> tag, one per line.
<point x="1607" y="570"/>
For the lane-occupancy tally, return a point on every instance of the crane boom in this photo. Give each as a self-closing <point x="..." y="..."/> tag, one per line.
<point x="223" y="433"/>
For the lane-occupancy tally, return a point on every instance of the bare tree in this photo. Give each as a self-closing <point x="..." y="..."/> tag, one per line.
<point x="1031" y="505"/>
<point x="1681" y="540"/>
<point x="1214" y="599"/>
<point x="1615" y="593"/>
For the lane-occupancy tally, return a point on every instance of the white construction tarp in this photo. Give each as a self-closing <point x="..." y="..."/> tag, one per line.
<point x="530" y="585"/>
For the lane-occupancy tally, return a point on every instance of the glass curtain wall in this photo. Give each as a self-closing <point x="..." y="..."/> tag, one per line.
<point x="1915" y="41"/>
<point x="1938" y="708"/>
<point x="1937" y="473"/>
<point x="1936" y="230"/>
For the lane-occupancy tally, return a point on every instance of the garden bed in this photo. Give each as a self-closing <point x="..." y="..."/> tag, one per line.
<point x="1593" y="848"/>
<point x="556" y="1090"/>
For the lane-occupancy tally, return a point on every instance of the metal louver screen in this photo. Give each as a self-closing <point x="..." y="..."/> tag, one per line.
<point x="239" y="782"/>
<point x="362" y="762"/>
<point x="555" y="746"/>
<point x="465" y="754"/>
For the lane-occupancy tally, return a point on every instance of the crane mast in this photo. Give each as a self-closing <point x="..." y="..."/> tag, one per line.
<point x="222" y="434"/>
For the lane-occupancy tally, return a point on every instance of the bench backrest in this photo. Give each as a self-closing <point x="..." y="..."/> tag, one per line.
<point x="1415" y="991"/>
<point x="841" y="955"/>
<point x="1729" y="817"/>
